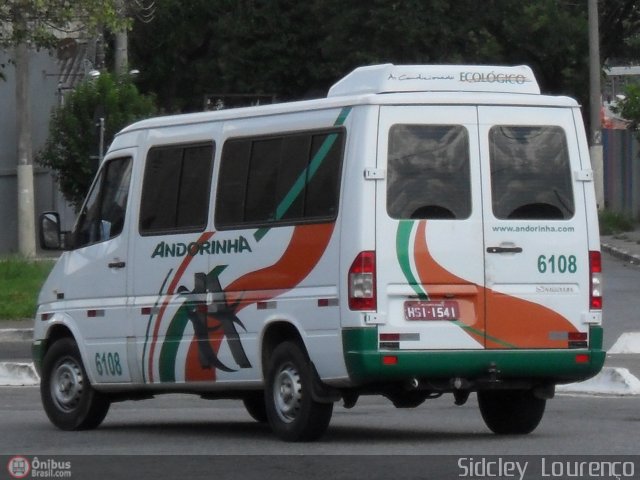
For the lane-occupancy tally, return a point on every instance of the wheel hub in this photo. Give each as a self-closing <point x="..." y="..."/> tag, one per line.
<point x="287" y="394"/>
<point x="67" y="384"/>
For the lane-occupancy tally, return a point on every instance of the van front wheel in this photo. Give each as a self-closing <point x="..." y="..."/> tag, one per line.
<point x="292" y="412"/>
<point x="511" y="412"/>
<point x="68" y="398"/>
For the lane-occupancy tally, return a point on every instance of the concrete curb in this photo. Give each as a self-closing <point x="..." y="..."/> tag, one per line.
<point x="620" y="253"/>
<point x="18" y="374"/>
<point x="627" y="343"/>
<point x="611" y="381"/>
<point x="16" y="334"/>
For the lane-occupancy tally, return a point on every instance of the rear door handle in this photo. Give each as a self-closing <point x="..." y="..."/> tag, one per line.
<point x="117" y="265"/>
<point x="504" y="249"/>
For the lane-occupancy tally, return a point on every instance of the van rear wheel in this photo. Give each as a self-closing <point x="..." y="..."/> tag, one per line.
<point x="292" y="412"/>
<point x="511" y="412"/>
<point x="69" y="400"/>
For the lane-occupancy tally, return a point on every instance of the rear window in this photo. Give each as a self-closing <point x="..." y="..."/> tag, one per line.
<point x="428" y="172"/>
<point x="530" y="173"/>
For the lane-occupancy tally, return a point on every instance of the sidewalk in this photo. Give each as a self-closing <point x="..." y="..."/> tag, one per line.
<point x="16" y="331"/>
<point x="16" y="324"/>
<point x="625" y="246"/>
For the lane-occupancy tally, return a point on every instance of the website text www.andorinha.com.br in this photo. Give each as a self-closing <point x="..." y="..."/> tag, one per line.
<point x="533" y="229"/>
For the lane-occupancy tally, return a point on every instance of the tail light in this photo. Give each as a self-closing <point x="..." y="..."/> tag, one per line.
<point x="595" y="283"/>
<point x="362" y="282"/>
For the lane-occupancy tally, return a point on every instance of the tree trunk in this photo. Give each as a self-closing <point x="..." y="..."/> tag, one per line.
<point x="26" y="203"/>
<point x="121" y="53"/>
<point x="122" y="48"/>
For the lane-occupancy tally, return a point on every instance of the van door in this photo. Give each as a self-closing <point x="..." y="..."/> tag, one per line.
<point x="96" y="271"/>
<point x="536" y="250"/>
<point x="172" y="250"/>
<point x="429" y="248"/>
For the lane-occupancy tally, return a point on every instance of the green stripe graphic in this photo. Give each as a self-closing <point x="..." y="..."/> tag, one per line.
<point x="306" y="175"/>
<point x="169" y="351"/>
<point x="403" y="237"/>
<point x="475" y="331"/>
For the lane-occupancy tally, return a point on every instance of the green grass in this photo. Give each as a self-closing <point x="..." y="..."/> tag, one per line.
<point x="20" y="282"/>
<point x="612" y="223"/>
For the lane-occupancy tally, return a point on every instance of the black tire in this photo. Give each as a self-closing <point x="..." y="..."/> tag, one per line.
<point x="293" y="414"/>
<point x="254" y="403"/>
<point x="511" y="412"/>
<point x="68" y="398"/>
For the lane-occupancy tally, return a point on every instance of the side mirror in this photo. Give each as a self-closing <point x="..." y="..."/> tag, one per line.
<point x="50" y="234"/>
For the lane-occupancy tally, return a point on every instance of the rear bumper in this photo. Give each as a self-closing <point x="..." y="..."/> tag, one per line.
<point x="367" y="364"/>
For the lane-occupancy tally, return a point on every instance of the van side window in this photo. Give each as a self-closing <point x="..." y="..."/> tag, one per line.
<point x="175" y="189"/>
<point x="279" y="179"/>
<point x="428" y="172"/>
<point x="530" y="173"/>
<point x="102" y="216"/>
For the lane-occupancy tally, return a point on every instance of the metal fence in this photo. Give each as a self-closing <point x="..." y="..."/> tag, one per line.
<point x="621" y="154"/>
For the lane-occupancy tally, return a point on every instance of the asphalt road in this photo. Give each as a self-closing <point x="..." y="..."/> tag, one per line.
<point x="621" y="307"/>
<point x="179" y="436"/>
<point x="184" y="425"/>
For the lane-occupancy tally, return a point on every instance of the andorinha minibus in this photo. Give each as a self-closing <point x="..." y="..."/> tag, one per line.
<point x="423" y="230"/>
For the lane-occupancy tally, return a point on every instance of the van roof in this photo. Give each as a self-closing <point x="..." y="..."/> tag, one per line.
<point x="389" y="78"/>
<point x="390" y="84"/>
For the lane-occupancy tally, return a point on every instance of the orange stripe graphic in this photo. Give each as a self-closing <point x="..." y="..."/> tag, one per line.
<point x="307" y="245"/>
<point x="510" y="320"/>
<point x="170" y="291"/>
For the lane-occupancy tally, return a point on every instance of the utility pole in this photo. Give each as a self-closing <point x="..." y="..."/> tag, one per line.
<point x="595" y="104"/>
<point x="26" y="202"/>
<point x="121" y="50"/>
<point x="121" y="53"/>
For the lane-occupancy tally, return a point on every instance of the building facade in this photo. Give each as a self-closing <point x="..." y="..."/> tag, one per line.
<point x="46" y="87"/>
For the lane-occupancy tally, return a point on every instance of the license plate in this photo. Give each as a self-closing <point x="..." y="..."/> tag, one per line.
<point x="431" y="310"/>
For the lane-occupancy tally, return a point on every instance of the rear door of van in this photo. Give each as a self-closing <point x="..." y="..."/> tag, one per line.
<point x="535" y="228"/>
<point x="481" y="236"/>
<point x="429" y="247"/>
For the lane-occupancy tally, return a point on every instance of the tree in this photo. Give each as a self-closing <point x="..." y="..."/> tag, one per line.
<point x="180" y="52"/>
<point x="299" y="49"/>
<point x="74" y="137"/>
<point x="620" y="31"/>
<point x="629" y="108"/>
<point x="27" y="24"/>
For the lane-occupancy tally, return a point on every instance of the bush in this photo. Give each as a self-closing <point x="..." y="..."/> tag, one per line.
<point x="629" y="107"/>
<point x="72" y="149"/>
<point x="612" y="223"/>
